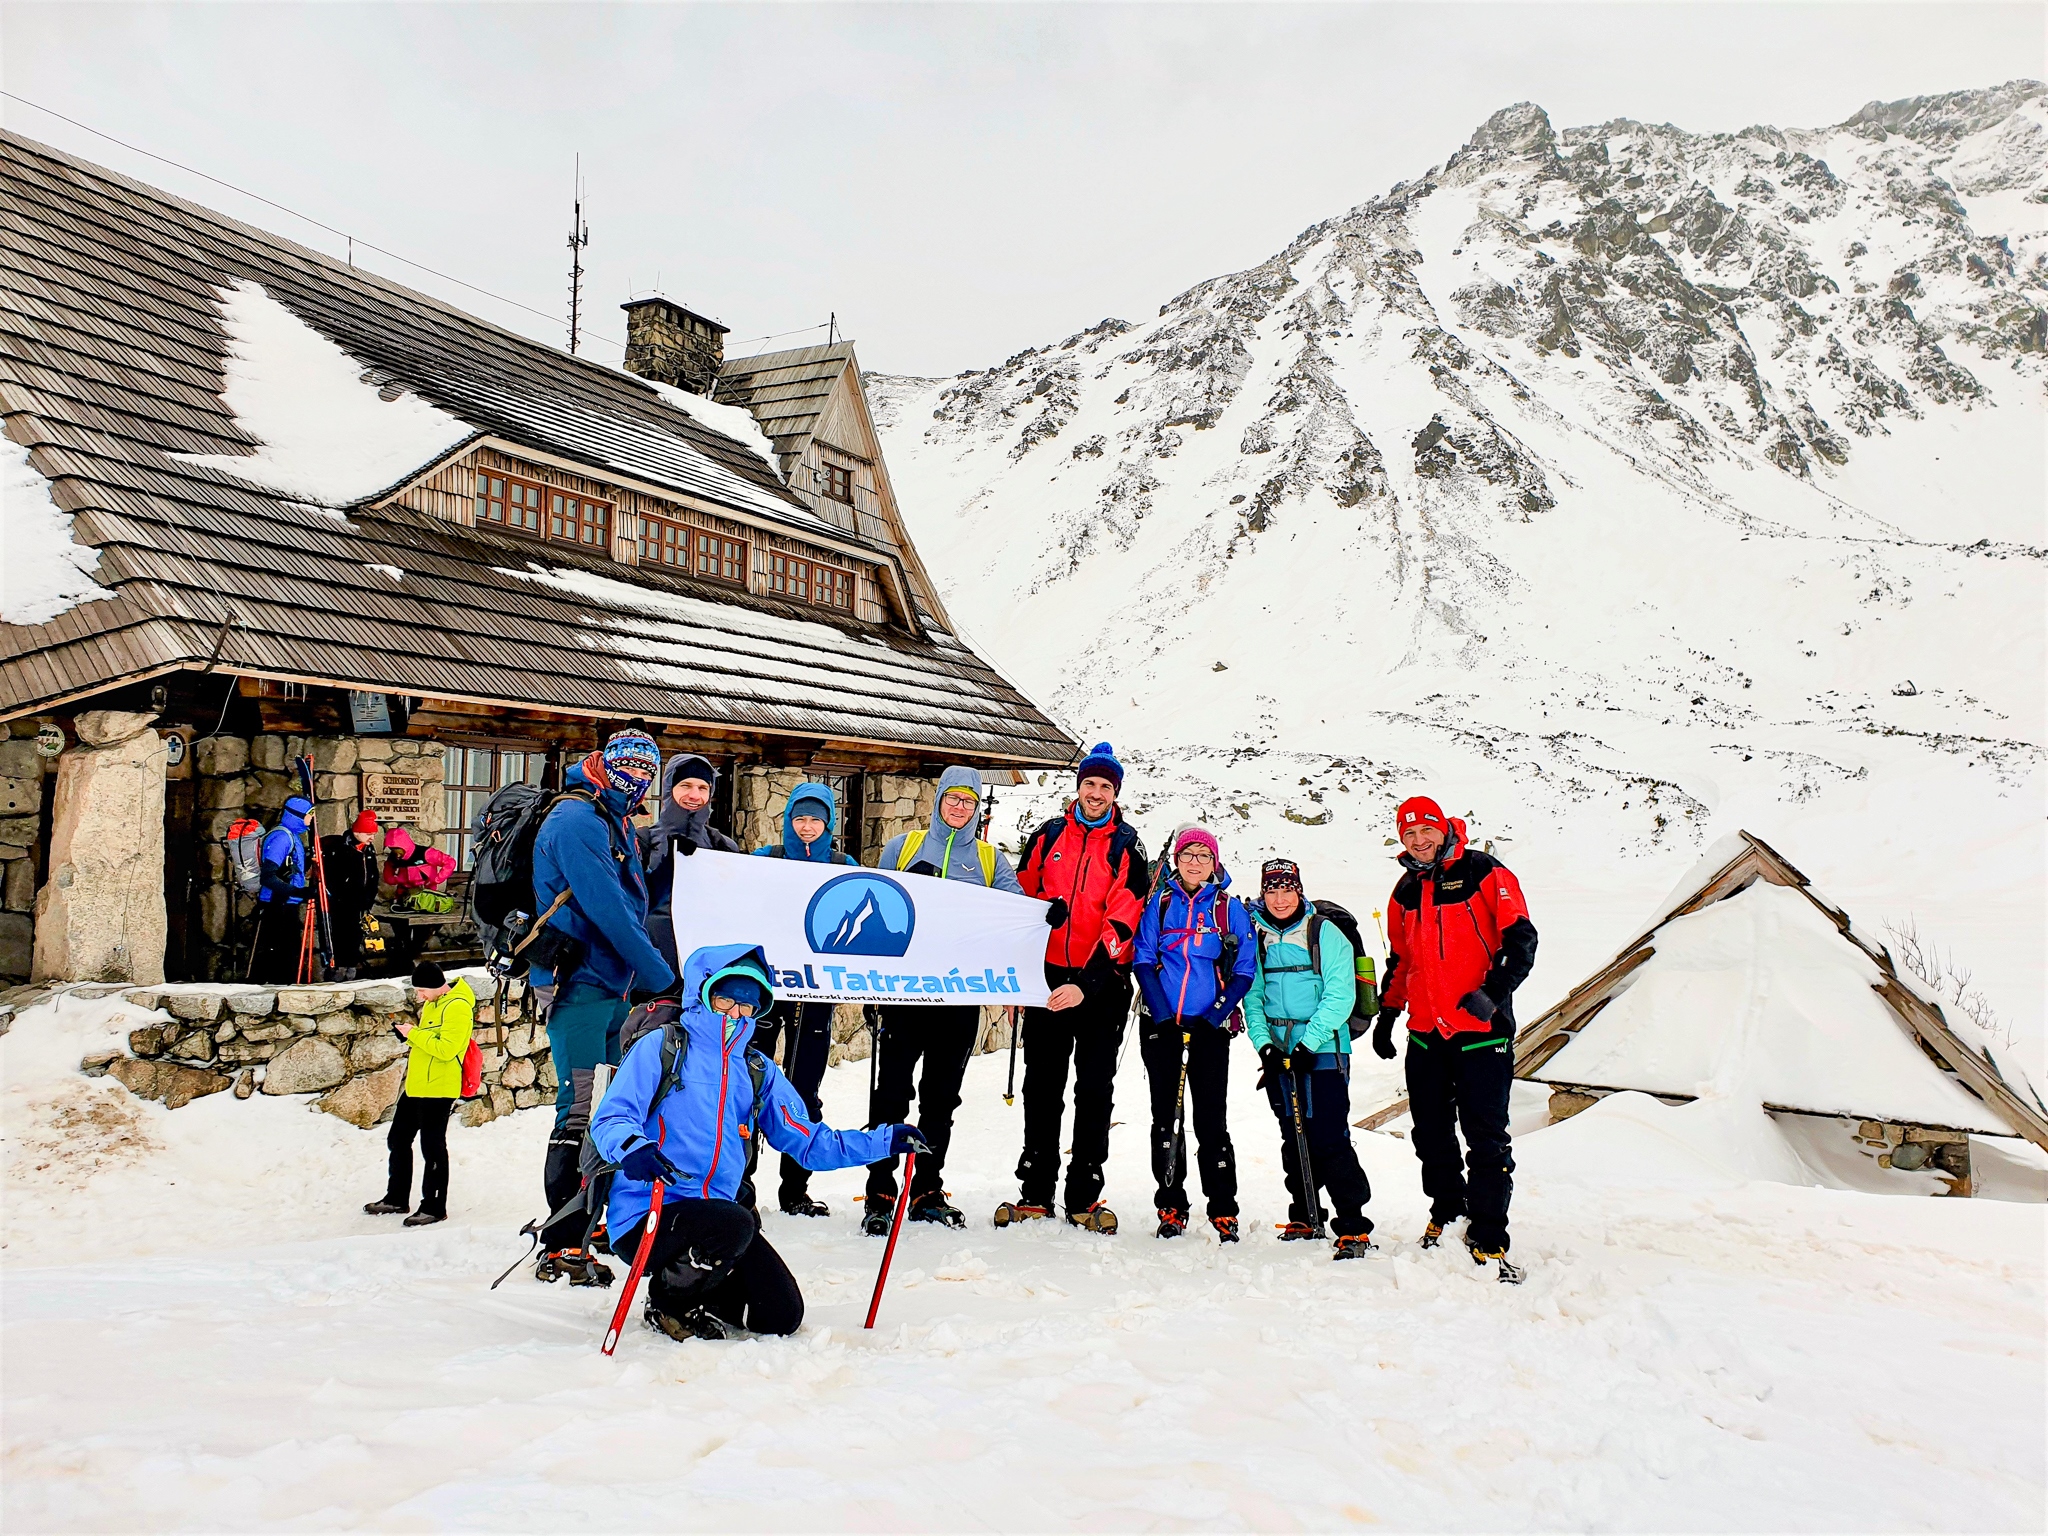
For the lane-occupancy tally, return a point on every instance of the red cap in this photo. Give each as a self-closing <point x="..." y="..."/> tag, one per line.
<point x="365" y="825"/>
<point x="1420" y="811"/>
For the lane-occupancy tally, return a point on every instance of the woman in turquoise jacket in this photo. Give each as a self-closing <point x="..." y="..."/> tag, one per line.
<point x="1297" y="1015"/>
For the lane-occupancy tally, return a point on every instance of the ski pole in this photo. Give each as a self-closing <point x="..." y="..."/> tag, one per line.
<point x="1016" y="1027"/>
<point x="611" y="1334"/>
<point x="1180" y="1109"/>
<point x="895" y="1230"/>
<point x="1312" y="1197"/>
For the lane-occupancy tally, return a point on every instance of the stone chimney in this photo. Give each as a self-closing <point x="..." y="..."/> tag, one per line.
<point x="673" y="345"/>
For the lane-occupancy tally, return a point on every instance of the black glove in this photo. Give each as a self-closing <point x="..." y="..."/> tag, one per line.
<point x="686" y="845"/>
<point x="1271" y="1059"/>
<point x="1056" y="912"/>
<point x="1383" y="1037"/>
<point x="1479" y="1005"/>
<point x="907" y="1138"/>
<point x="646" y="1164"/>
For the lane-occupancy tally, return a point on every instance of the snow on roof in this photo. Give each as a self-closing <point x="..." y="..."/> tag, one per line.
<point x="326" y="432"/>
<point x="1758" y="997"/>
<point x="45" y="572"/>
<point x="735" y="421"/>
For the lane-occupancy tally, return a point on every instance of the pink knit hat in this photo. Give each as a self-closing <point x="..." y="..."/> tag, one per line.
<point x="1200" y="836"/>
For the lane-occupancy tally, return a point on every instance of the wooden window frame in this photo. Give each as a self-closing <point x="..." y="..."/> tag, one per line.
<point x="516" y="497"/>
<point x="718" y="557"/>
<point x="838" y="482"/>
<point x="803" y="579"/>
<point x="836" y="580"/>
<point x="574" y="518"/>
<point x="665" y="542"/>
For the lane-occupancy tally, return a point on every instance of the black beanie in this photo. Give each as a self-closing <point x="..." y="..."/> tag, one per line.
<point x="427" y="975"/>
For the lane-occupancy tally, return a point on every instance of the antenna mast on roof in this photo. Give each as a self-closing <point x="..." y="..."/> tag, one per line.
<point x="831" y="329"/>
<point x="579" y="237"/>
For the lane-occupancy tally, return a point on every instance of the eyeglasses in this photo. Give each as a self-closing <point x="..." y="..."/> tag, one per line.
<point x="1199" y="855"/>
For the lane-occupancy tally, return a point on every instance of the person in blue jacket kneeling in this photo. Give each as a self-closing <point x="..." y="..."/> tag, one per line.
<point x="711" y="1270"/>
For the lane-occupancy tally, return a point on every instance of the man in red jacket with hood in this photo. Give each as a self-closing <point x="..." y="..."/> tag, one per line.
<point x="1462" y="943"/>
<point x="1091" y="866"/>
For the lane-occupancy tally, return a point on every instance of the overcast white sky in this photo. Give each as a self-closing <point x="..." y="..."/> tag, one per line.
<point x="957" y="182"/>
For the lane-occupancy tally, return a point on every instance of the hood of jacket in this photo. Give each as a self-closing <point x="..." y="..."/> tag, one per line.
<point x="794" y="847"/>
<point x="708" y="1029"/>
<point x="1455" y="843"/>
<point x="951" y="850"/>
<point x="291" y="818"/>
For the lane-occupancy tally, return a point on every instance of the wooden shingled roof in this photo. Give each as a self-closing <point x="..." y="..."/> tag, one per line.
<point x="787" y="391"/>
<point x="111" y="362"/>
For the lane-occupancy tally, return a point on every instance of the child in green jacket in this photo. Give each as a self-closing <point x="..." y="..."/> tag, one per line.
<point x="433" y="1082"/>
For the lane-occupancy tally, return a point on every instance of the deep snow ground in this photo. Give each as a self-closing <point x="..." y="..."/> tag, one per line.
<point x="201" y="1331"/>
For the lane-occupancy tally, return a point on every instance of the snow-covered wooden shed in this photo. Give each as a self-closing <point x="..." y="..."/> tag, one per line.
<point x="1750" y="983"/>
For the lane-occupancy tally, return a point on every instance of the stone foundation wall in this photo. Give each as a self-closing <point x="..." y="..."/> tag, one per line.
<point x="21" y="824"/>
<point x="894" y="803"/>
<point x="336" y="1040"/>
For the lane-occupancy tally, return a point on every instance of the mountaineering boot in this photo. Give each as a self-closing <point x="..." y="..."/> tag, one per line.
<point x="1097" y="1218"/>
<point x="877" y="1214"/>
<point x="1172" y="1223"/>
<point x="1226" y="1228"/>
<point x="424" y="1218"/>
<point x="1010" y="1211"/>
<point x="1296" y="1232"/>
<point x="693" y="1324"/>
<point x="1353" y="1247"/>
<point x="804" y="1205"/>
<point x="385" y="1208"/>
<point x="934" y="1207"/>
<point x="577" y="1265"/>
<point x="1509" y="1274"/>
<point x="1432" y="1234"/>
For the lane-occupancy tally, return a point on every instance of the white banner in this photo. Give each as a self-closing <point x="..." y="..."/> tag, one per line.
<point x="839" y="933"/>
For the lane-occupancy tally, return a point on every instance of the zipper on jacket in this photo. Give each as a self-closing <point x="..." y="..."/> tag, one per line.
<point x="718" y="1140"/>
<point x="1074" y="893"/>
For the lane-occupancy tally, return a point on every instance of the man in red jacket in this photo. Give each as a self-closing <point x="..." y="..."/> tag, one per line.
<point x="1091" y="866"/>
<point x="1462" y="943"/>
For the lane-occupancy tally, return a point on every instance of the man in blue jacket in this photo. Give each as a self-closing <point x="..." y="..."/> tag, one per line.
<point x="586" y="848"/>
<point x="809" y="821"/>
<point x="1298" y="1015"/>
<point x="942" y="1037"/>
<point x="710" y="1269"/>
<point x="1194" y="963"/>
<point x="281" y="913"/>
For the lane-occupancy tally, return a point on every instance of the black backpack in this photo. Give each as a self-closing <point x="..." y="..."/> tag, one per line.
<point x="501" y="879"/>
<point x="1365" y="1003"/>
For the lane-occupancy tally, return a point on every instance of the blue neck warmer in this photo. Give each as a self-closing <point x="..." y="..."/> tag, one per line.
<point x="1101" y="821"/>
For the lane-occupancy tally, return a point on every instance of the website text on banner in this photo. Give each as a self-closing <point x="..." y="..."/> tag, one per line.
<point x="851" y="935"/>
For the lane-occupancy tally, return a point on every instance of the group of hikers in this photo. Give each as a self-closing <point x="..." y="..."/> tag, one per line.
<point x="684" y="1107"/>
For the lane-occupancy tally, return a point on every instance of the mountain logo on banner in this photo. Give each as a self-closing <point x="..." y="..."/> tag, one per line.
<point x="860" y="914"/>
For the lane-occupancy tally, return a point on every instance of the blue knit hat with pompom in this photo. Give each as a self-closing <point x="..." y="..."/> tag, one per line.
<point x="1101" y="763"/>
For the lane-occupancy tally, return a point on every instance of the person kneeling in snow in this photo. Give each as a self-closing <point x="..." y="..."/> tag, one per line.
<point x="689" y="1125"/>
<point x="1298" y="1015"/>
<point x="1462" y="943"/>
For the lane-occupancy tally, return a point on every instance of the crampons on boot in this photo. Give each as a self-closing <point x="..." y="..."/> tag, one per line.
<point x="804" y="1205"/>
<point x="877" y="1215"/>
<point x="578" y="1266"/>
<point x="694" y="1324"/>
<point x="1013" y="1211"/>
<point x="1226" y="1228"/>
<point x="936" y="1208"/>
<point x="1353" y="1247"/>
<point x="1296" y="1232"/>
<point x="1097" y="1218"/>
<point x="1172" y="1223"/>
<point x="1509" y="1273"/>
<point x="1432" y="1234"/>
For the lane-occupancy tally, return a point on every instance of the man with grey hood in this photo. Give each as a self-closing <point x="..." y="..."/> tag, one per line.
<point x="943" y="1037"/>
<point x="682" y="825"/>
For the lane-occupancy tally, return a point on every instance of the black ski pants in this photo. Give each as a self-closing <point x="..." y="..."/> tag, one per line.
<point x="1453" y="1084"/>
<point x="1088" y="1036"/>
<point x="711" y="1254"/>
<point x="805" y="1033"/>
<point x="1325" y="1100"/>
<point x="1208" y="1085"/>
<point x="274" y="956"/>
<point x="427" y="1119"/>
<point x="943" y="1039"/>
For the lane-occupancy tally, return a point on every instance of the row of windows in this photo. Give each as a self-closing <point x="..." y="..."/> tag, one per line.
<point x="510" y="502"/>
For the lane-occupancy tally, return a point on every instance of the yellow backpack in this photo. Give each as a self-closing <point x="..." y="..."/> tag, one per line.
<point x="915" y="840"/>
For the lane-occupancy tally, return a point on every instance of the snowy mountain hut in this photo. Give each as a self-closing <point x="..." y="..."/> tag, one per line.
<point x="1750" y="982"/>
<point x="261" y="503"/>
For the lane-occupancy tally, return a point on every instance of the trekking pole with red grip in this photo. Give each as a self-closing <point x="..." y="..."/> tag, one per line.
<point x="895" y="1230"/>
<point x="611" y="1334"/>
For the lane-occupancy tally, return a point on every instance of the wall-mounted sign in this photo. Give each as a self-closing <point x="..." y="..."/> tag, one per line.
<point x="369" y="713"/>
<point x="50" y="740"/>
<point x="174" y="749"/>
<point x="394" y="796"/>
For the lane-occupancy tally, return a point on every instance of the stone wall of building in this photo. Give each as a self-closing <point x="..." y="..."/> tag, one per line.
<point x="894" y="803"/>
<point x="99" y="915"/>
<point x="758" y="798"/>
<point x="21" y="823"/>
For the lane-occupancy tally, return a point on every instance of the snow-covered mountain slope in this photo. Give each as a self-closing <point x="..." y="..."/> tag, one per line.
<point x="1612" y="482"/>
